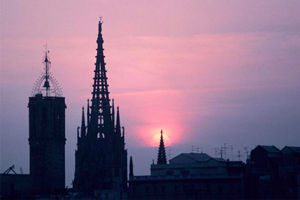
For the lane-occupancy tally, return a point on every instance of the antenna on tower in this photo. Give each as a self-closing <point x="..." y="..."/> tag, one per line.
<point x="198" y="149"/>
<point x="46" y="83"/>
<point x="231" y="147"/>
<point x="216" y="152"/>
<point x="47" y="66"/>
<point x="239" y="155"/>
<point x="221" y="152"/>
<point x="224" y="148"/>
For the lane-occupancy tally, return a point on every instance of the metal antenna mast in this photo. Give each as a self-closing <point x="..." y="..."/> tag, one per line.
<point x="46" y="83"/>
<point x="47" y="65"/>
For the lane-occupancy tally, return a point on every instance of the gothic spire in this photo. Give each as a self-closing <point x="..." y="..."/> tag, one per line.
<point x="131" y="168"/>
<point x="161" y="158"/>
<point x="88" y="112"/>
<point x="100" y="109"/>
<point x="113" y="111"/>
<point x="118" y="124"/>
<point x="82" y="134"/>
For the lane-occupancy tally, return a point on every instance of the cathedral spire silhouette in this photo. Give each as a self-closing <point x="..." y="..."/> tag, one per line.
<point x="83" y="127"/>
<point x="101" y="157"/>
<point x="131" y="168"/>
<point x="100" y="109"/>
<point x="161" y="158"/>
<point x="118" y="124"/>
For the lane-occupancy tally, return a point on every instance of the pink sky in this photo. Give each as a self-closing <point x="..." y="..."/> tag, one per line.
<point x="206" y="72"/>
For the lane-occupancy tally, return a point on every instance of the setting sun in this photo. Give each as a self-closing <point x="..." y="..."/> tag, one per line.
<point x="156" y="139"/>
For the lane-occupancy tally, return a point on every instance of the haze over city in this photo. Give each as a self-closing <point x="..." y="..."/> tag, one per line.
<point x="205" y="72"/>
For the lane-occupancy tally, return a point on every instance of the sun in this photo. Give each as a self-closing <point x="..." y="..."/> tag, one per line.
<point x="156" y="139"/>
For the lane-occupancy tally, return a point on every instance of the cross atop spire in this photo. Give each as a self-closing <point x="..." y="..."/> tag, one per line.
<point x="161" y="158"/>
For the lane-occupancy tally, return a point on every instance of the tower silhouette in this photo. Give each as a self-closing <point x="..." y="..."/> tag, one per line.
<point x="101" y="157"/>
<point x="161" y="158"/>
<point x="131" y="168"/>
<point x="47" y="134"/>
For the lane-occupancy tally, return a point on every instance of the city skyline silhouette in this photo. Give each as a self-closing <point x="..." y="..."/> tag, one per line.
<point x="207" y="74"/>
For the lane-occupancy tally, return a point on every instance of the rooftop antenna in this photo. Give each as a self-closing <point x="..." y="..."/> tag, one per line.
<point x="225" y="149"/>
<point x="221" y="152"/>
<point x="216" y="152"/>
<point x="11" y="169"/>
<point x="198" y="149"/>
<point x="231" y="147"/>
<point x="239" y="155"/>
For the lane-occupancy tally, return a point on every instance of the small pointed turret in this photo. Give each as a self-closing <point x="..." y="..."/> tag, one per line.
<point x="131" y="168"/>
<point x="161" y="158"/>
<point x="88" y="112"/>
<point x="82" y="133"/>
<point x="118" y="124"/>
<point x="113" y="111"/>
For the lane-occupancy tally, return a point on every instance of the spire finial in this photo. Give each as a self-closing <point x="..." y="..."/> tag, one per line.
<point x="118" y="124"/>
<point x="131" y="168"/>
<point x="161" y="158"/>
<point x="83" y="127"/>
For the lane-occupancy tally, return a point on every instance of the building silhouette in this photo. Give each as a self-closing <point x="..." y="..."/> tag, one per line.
<point x="101" y="157"/>
<point x="47" y="135"/>
<point x="273" y="173"/>
<point x="189" y="176"/>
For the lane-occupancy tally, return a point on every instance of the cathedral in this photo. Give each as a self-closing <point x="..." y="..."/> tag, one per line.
<point x="101" y="157"/>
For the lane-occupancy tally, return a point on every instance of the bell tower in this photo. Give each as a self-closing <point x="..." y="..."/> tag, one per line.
<point x="47" y="134"/>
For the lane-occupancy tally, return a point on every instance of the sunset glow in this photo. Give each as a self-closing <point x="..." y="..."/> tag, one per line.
<point x="204" y="72"/>
<point x="156" y="139"/>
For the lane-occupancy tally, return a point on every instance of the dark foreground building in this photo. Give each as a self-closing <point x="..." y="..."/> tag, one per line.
<point x="189" y="176"/>
<point x="47" y="137"/>
<point x="46" y="145"/>
<point x="273" y="173"/>
<point x="101" y="157"/>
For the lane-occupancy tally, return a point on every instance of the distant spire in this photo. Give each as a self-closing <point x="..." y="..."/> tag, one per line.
<point x="131" y="168"/>
<point x="161" y="158"/>
<point x="82" y="134"/>
<point x="118" y="124"/>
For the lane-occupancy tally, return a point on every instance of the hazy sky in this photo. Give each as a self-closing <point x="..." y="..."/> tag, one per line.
<point x="206" y="72"/>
